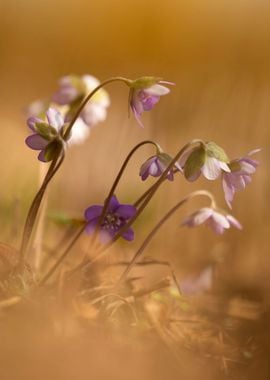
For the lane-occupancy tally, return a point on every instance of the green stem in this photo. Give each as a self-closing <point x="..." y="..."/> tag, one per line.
<point x="88" y="97"/>
<point x="159" y="225"/>
<point x="33" y="211"/>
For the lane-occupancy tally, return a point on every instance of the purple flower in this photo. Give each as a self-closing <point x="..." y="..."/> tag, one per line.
<point x="144" y="94"/>
<point x="207" y="159"/>
<point x="47" y="134"/>
<point x="156" y="165"/>
<point x="115" y="218"/>
<point x="73" y="89"/>
<point x="214" y="219"/>
<point x="239" y="176"/>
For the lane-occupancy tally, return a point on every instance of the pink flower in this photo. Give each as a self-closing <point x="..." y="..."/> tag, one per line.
<point x="144" y="94"/>
<point x="239" y="176"/>
<point x="207" y="159"/>
<point x="216" y="220"/>
<point x="156" y="165"/>
<point x="47" y="135"/>
<point x="73" y="89"/>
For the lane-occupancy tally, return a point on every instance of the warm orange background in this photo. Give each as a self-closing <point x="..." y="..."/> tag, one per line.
<point x="217" y="52"/>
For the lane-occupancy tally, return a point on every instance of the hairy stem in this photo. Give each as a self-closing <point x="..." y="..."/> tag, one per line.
<point x="33" y="211"/>
<point x="116" y="181"/>
<point x="88" y="97"/>
<point x="146" y="200"/>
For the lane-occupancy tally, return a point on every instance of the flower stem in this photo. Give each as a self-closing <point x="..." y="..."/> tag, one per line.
<point x="33" y="211"/>
<point x="88" y="97"/>
<point x="116" y="181"/>
<point x="158" y="226"/>
<point x="146" y="198"/>
<point x="151" y="194"/>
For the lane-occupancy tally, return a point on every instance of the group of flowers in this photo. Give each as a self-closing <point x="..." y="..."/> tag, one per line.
<point x="49" y="125"/>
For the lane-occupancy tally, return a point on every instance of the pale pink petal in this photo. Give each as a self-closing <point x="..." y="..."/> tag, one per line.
<point x="157" y="90"/>
<point x="211" y="168"/>
<point x="234" y="222"/>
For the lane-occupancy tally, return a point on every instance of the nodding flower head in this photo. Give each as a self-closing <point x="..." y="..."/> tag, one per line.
<point x="218" y="221"/>
<point x="145" y="92"/>
<point x="207" y="159"/>
<point x="73" y="89"/>
<point x="156" y="165"/>
<point x="47" y="134"/>
<point x="115" y="218"/>
<point x="239" y="176"/>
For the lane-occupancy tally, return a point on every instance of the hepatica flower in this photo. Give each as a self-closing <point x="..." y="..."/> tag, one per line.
<point x="156" y="165"/>
<point x="115" y="218"/>
<point x="144" y="93"/>
<point x="47" y="135"/>
<point x="208" y="159"/>
<point x="239" y="176"/>
<point x="218" y="221"/>
<point x="73" y="89"/>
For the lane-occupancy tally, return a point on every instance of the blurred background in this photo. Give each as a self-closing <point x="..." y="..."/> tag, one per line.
<point x="217" y="53"/>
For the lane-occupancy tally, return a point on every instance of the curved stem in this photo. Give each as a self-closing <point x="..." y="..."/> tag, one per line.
<point x="159" y="225"/>
<point x="88" y="97"/>
<point x="33" y="211"/>
<point x="62" y="257"/>
<point x="146" y="198"/>
<point x="116" y="181"/>
<point x="150" y="195"/>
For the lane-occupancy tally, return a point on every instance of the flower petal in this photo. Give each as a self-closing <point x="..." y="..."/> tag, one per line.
<point x="55" y="119"/>
<point x="128" y="234"/>
<point x="220" y="219"/>
<point x="42" y="156"/>
<point x="234" y="222"/>
<point x="113" y="204"/>
<point x="31" y="122"/>
<point x="126" y="211"/>
<point x="93" y="212"/>
<point x="36" y="142"/>
<point x="157" y="90"/>
<point x="211" y="168"/>
<point x="198" y="217"/>
<point x="90" y="226"/>
<point x="228" y="190"/>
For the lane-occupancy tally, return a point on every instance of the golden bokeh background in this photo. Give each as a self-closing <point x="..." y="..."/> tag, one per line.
<point x="217" y="53"/>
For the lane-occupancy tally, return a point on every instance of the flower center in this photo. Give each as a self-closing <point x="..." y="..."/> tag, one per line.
<point x="112" y="222"/>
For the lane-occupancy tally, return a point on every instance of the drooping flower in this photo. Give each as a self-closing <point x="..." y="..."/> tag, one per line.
<point x="239" y="176"/>
<point x="115" y="218"/>
<point x="144" y="93"/>
<point x="80" y="130"/>
<point x="47" y="136"/>
<point x="73" y="89"/>
<point x="218" y="221"/>
<point x="156" y="165"/>
<point x="207" y="159"/>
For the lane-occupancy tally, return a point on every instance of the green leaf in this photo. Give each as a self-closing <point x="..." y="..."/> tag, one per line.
<point x="194" y="162"/>
<point x="213" y="150"/>
<point x="45" y="130"/>
<point x="52" y="150"/>
<point x="144" y="82"/>
<point x="165" y="158"/>
<point x="61" y="218"/>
